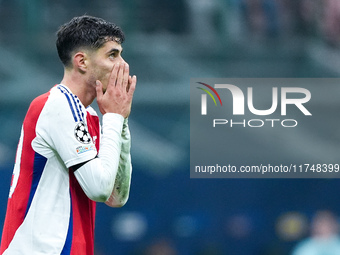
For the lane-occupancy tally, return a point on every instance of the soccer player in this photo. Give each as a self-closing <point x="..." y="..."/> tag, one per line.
<point x="65" y="161"/>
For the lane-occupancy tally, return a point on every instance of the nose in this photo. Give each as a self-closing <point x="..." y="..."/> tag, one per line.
<point x="123" y="60"/>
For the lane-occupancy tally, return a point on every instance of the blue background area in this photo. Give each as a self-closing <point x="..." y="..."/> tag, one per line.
<point x="169" y="42"/>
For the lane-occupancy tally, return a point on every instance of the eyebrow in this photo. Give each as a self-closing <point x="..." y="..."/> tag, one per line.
<point x="114" y="50"/>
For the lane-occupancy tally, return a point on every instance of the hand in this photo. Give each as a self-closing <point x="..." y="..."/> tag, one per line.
<point x="119" y="92"/>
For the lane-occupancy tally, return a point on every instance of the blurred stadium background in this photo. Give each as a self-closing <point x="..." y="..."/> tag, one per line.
<point x="168" y="42"/>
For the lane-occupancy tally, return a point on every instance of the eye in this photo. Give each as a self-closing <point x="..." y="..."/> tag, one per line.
<point x="113" y="55"/>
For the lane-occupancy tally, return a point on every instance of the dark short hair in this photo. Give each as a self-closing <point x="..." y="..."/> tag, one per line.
<point x="85" y="31"/>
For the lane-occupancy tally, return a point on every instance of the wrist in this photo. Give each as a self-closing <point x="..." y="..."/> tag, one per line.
<point x="113" y="120"/>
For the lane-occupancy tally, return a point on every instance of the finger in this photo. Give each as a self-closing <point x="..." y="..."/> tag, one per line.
<point x="132" y="85"/>
<point x="100" y="94"/>
<point x="99" y="90"/>
<point x="129" y="82"/>
<point x="120" y="75"/>
<point x="126" y="77"/>
<point x="113" y="76"/>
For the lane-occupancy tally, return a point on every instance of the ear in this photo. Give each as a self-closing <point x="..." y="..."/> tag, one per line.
<point x="80" y="61"/>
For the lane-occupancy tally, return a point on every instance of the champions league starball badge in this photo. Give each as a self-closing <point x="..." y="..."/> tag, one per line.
<point x="81" y="133"/>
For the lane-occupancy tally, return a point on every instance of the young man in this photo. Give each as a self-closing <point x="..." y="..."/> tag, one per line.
<point x="64" y="163"/>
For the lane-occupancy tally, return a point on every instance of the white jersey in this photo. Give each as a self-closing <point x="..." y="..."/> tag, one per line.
<point x="48" y="212"/>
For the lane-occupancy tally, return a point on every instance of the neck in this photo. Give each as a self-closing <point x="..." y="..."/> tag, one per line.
<point x="80" y="87"/>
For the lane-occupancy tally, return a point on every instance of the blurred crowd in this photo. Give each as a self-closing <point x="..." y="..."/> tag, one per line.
<point x="324" y="236"/>
<point x="319" y="236"/>
<point x="200" y="18"/>
<point x="319" y="18"/>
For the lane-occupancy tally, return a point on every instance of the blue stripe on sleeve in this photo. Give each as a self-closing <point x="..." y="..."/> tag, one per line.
<point x="77" y="107"/>
<point x="65" y="92"/>
<point x="38" y="168"/>
<point x="68" y="242"/>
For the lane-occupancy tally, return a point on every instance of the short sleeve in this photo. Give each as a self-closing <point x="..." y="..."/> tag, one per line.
<point x="62" y="129"/>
